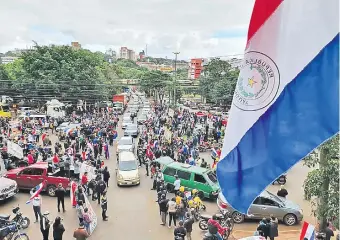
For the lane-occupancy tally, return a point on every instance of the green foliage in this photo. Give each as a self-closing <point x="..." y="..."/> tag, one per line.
<point x="322" y="184"/>
<point x="218" y="81"/>
<point x="155" y="83"/>
<point x="63" y="72"/>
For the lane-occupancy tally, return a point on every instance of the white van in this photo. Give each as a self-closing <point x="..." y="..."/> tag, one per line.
<point x="127" y="172"/>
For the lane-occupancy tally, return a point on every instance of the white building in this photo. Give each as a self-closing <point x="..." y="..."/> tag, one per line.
<point x="235" y="62"/>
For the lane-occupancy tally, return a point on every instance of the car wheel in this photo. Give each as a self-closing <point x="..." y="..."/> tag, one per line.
<point x="238" y="217"/>
<point x="51" y="190"/>
<point x="290" y="219"/>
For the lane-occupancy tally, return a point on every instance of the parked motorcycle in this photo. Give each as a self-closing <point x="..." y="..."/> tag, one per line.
<point x="224" y="219"/>
<point x="12" y="232"/>
<point x="281" y="180"/>
<point x="21" y="221"/>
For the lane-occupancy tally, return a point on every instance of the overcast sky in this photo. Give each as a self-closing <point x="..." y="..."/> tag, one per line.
<point x="196" y="28"/>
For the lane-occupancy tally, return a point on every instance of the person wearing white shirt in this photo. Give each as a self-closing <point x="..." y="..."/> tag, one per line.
<point x="36" y="202"/>
<point x="177" y="184"/>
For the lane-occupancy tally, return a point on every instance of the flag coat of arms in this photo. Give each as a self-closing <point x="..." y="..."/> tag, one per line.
<point x="286" y="100"/>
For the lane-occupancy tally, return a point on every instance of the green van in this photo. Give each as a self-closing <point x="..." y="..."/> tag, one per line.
<point x="192" y="177"/>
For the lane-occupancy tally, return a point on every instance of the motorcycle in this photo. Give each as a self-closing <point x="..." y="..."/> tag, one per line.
<point x="209" y="236"/>
<point x="10" y="231"/>
<point x="224" y="219"/>
<point x="281" y="180"/>
<point x="22" y="222"/>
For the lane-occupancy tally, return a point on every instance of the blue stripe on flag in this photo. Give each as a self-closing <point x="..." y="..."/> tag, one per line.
<point x="304" y="116"/>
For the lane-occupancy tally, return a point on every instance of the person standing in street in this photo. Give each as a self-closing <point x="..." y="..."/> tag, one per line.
<point x="60" y="194"/>
<point x="163" y="208"/>
<point x="100" y="189"/>
<point x="177" y="184"/>
<point x="104" y="206"/>
<point x="273" y="228"/>
<point x="106" y="176"/>
<point x="58" y="229"/>
<point x="36" y="202"/>
<point x="189" y="221"/>
<point x="80" y="233"/>
<point x="84" y="181"/>
<point x="80" y="211"/>
<point x="172" y="211"/>
<point x="45" y="225"/>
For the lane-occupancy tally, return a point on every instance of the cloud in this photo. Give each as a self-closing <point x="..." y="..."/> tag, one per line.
<point x="199" y="28"/>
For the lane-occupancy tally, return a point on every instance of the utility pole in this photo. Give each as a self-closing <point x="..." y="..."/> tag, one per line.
<point x="175" y="85"/>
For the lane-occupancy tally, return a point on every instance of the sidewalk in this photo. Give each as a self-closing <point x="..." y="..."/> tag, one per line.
<point x="283" y="235"/>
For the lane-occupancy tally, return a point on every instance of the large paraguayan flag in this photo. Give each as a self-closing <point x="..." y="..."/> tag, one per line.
<point x="286" y="100"/>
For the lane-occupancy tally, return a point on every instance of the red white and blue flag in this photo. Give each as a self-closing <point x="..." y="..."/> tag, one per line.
<point x="37" y="191"/>
<point x="286" y="101"/>
<point x="307" y="231"/>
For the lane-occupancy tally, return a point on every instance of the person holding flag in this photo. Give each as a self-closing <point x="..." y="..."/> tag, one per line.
<point x="36" y="200"/>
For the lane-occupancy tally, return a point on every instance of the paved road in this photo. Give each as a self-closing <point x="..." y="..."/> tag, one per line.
<point x="133" y="212"/>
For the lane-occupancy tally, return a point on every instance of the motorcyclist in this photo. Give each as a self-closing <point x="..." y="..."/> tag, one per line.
<point x="215" y="228"/>
<point x="197" y="200"/>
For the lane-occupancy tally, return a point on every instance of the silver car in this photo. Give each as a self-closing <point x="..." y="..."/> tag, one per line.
<point x="131" y="130"/>
<point x="265" y="205"/>
<point x="125" y="144"/>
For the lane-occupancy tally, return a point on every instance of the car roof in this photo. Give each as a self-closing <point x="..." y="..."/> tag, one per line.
<point x="126" y="137"/>
<point x="187" y="167"/>
<point x="127" y="156"/>
<point x="41" y="165"/>
<point x="164" y="160"/>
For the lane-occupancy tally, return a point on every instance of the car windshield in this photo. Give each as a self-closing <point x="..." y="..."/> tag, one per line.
<point x="125" y="141"/>
<point x="274" y="197"/>
<point x="212" y="177"/>
<point x="131" y="127"/>
<point x="127" y="165"/>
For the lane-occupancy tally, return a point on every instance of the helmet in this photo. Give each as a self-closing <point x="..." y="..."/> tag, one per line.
<point x="191" y="202"/>
<point x="181" y="189"/>
<point x="194" y="191"/>
<point x="214" y="217"/>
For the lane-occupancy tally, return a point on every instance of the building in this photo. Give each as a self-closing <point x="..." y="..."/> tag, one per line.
<point x="126" y="53"/>
<point x="235" y="62"/>
<point x="6" y="59"/>
<point x="141" y="54"/>
<point x="76" y="45"/>
<point x="195" y="68"/>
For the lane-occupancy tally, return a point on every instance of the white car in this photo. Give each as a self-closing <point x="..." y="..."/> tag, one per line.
<point x="127" y="169"/>
<point x="126" y="121"/>
<point x="126" y="144"/>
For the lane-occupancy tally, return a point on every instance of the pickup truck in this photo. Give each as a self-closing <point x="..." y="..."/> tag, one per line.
<point x="31" y="176"/>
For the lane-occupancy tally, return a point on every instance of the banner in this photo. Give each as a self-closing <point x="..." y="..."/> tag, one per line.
<point x="91" y="213"/>
<point x="89" y="169"/>
<point x="15" y="150"/>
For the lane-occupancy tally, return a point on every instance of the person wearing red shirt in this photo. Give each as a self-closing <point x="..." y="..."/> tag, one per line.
<point x="220" y="230"/>
<point x="43" y="136"/>
<point x="218" y="151"/>
<point x="30" y="159"/>
<point x="55" y="159"/>
<point x="84" y="181"/>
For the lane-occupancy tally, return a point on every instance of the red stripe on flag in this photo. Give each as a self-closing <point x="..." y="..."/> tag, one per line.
<point x="262" y="10"/>
<point x="303" y="230"/>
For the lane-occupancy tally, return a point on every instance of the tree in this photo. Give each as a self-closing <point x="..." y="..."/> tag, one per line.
<point x="60" y="71"/>
<point x="322" y="184"/>
<point x="155" y="83"/>
<point x="218" y="81"/>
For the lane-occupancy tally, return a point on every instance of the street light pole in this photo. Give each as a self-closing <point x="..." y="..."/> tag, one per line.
<point x="175" y="85"/>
